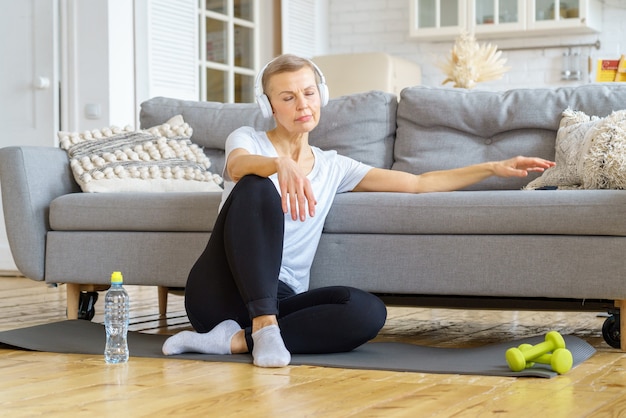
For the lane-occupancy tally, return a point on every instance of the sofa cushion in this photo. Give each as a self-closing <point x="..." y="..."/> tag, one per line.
<point x="574" y="131"/>
<point x="361" y="126"/>
<point x="135" y="212"/>
<point x="442" y="128"/>
<point x="481" y="212"/>
<point x="160" y="159"/>
<point x="457" y="213"/>
<point x="590" y="153"/>
<point x="604" y="161"/>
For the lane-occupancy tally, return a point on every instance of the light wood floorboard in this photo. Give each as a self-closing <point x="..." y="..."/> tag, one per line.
<point x="51" y="385"/>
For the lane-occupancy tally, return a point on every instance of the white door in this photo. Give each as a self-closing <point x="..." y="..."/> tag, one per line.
<point x="29" y="88"/>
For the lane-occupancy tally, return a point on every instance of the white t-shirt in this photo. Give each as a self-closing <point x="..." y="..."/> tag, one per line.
<point x="332" y="173"/>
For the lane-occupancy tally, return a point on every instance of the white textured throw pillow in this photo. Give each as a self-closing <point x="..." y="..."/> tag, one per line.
<point x="604" y="160"/>
<point x="159" y="159"/>
<point x="590" y="153"/>
<point x="574" y="130"/>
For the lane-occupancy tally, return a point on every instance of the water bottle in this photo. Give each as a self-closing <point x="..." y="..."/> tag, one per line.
<point x="116" y="315"/>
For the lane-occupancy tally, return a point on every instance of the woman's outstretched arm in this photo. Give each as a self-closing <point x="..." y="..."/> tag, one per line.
<point x="381" y="180"/>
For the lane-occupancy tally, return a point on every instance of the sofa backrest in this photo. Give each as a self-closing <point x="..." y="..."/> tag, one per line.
<point x="442" y="128"/>
<point x="361" y="126"/>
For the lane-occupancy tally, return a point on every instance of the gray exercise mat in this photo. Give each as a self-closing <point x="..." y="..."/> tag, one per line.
<point x="84" y="337"/>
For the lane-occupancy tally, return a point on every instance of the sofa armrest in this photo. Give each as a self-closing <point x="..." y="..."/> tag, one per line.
<point x="31" y="177"/>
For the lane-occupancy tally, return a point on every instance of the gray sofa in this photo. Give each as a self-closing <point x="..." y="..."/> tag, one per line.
<point x="492" y="245"/>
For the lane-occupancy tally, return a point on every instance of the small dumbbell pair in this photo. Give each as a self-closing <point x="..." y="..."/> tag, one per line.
<point x="560" y="360"/>
<point x="552" y="351"/>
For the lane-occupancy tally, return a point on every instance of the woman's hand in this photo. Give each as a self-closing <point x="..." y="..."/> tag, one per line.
<point x="520" y="166"/>
<point x="296" y="192"/>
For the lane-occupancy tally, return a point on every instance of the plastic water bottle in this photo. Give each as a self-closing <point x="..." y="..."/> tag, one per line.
<point x="116" y="315"/>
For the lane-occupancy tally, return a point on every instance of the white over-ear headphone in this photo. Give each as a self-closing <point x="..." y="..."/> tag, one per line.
<point x="264" y="102"/>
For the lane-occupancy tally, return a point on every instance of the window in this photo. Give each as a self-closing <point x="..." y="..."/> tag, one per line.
<point x="228" y="56"/>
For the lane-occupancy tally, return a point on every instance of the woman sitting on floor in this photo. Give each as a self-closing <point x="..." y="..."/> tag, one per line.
<point x="248" y="291"/>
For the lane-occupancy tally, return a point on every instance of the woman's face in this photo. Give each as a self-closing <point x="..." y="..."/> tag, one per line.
<point x="295" y="100"/>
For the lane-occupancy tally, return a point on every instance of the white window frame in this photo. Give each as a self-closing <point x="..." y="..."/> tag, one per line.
<point x="229" y="66"/>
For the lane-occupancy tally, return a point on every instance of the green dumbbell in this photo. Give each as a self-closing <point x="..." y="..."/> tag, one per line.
<point x="544" y="357"/>
<point x="525" y="347"/>
<point x="561" y="360"/>
<point x="517" y="359"/>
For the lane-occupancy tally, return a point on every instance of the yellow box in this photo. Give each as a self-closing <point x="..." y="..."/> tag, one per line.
<point x="611" y="70"/>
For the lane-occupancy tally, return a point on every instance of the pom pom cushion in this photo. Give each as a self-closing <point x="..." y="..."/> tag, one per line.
<point x="590" y="153"/>
<point x="604" y="157"/>
<point x="159" y="159"/>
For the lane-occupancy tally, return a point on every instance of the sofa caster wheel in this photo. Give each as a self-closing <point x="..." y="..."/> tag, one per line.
<point x="86" y="305"/>
<point x="611" y="330"/>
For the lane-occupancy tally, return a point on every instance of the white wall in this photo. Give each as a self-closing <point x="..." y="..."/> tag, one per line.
<point x="101" y="58"/>
<point x="121" y="56"/>
<point x="383" y="26"/>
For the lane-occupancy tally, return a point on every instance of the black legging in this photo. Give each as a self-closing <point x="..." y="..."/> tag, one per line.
<point x="236" y="277"/>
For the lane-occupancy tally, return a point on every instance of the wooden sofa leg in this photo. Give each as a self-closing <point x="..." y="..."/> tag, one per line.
<point x="162" y="300"/>
<point x="73" y="294"/>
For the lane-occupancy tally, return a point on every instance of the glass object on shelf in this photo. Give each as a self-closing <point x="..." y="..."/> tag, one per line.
<point x="215" y="85"/>
<point x="244" y="88"/>
<point x="486" y="12"/>
<point x="218" y="6"/>
<point x="449" y="13"/>
<point x="216" y="40"/>
<point x="543" y="9"/>
<point x="571" y="8"/>
<point x="507" y="10"/>
<point x="556" y="9"/>
<point x="244" y="9"/>
<point x="244" y="47"/>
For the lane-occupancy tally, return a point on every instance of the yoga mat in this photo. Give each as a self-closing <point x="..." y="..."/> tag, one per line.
<point x="84" y="337"/>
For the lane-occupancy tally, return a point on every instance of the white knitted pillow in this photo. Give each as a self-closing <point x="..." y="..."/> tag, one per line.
<point x="603" y="164"/>
<point x="590" y="153"/>
<point x="575" y="130"/>
<point x="159" y="159"/>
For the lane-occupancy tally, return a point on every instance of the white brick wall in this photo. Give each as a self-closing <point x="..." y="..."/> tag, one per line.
<point x="383" y="26"/>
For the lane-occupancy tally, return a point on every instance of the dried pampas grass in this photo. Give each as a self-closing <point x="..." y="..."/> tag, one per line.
<point x="471" y="63"/>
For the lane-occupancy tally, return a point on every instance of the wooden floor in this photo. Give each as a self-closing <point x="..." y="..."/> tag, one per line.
<point x="46" y="384"/>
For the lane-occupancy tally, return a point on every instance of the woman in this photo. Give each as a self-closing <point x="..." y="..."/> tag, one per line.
<point x="248" y="291"/>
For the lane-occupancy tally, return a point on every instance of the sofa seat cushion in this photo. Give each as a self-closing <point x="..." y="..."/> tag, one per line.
<point x="163" y="212"/>
<point x="558" y="212"/>
<point x="561" y="212"/>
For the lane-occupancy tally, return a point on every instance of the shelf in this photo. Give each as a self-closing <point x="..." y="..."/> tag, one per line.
<point x="438" y="20"/>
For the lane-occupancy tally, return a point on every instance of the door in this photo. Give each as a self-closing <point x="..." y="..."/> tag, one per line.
<point x="29" y="105"/>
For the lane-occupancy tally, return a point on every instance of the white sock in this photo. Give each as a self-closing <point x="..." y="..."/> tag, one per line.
<point x="216" y="341"/>
<point x="269" y="348"/>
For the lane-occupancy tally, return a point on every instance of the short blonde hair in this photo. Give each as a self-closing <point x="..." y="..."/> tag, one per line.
<point x="286" y="63"/>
